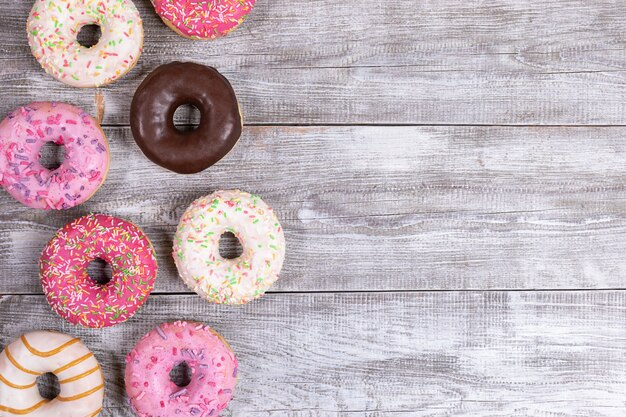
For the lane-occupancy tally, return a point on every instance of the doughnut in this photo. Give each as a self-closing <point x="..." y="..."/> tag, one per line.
<point x="73" y="294"/>
<point x="40" y="352"/>
<point x="22" y="135"/>
<point x="152" y="117"/>
<point x="203" y="19"/>
<point x="196" y="247"/>
<point x="53" y="27"/>
<point x="207" y="355"/>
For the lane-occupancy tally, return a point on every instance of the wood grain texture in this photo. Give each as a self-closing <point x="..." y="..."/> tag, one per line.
<point x="378" y="215"/>
<point x="432" y="354"/>
<point x="398" y="62"/>
<point x="382" y="208"/>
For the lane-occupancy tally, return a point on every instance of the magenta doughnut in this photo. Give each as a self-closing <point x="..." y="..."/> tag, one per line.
<point x="22" y="135"/>
<point x="210" y="359"/>
<point x="73" y="294"/>
<point x="207" y="19"/>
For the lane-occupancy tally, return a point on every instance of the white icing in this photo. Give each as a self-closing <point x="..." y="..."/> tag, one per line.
<point x="87" y="372"/>
<point x="53" y="26"/>
<point x="196" y="247"/>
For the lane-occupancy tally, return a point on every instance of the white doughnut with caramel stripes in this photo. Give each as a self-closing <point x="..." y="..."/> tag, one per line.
<point x="40" y="352"/>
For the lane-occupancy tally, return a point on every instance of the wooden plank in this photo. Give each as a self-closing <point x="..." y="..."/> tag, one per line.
<point x="397" y="62"/>
<point x="382" y="208"/>
<point x="432" y="354"/>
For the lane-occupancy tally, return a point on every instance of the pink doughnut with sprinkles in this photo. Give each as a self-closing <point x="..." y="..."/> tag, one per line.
<point x="53" y="27"/>
<point x="73" y="294"/>
<point x="203" y="19"/>
<point x="22" y="135"/>
<point x="204" y="391"/>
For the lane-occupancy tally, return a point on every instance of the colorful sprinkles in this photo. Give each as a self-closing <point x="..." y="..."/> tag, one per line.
<point x="22" y="135"/>
<point x="73" y="294"/>
<point x="203" y="19"/>
<point x="211" y="361"/>
<point x="53" y="27"/>
<point x="197" y="240"/>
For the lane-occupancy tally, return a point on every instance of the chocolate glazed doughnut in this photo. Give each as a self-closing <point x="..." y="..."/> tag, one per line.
<point x="152" y="117"/>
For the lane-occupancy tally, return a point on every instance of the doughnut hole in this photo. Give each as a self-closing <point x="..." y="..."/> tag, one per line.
<point x="89" y="35"/>
<point x="48" y="386"/>
<point x="51" y="155"/>
<point x="187" y="118"/>
<point x="100" y="272"/>
<point x="230" y="246"/>
<point x="181" y="375"/>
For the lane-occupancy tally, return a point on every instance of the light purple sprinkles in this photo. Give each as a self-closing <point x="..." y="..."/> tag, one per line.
<point x="161" y="333"/>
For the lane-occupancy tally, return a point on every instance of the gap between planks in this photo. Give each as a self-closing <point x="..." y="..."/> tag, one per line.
<point x="395" y="125"/>
<point x="365" y="292"/>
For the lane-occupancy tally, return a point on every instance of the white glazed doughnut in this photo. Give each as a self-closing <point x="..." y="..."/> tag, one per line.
<point x="36" y="353"/>
<point x="197" y="240"/>
<point x="53" y="26"/>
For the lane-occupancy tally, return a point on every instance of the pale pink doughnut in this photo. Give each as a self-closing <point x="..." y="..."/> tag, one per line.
<point x="22" y="135"/>
<point x="209" y="357"/>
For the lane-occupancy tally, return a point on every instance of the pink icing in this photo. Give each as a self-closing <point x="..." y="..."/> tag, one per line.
<point x="22" y="135"/>
<point x="213" y="372"/>
<point x="204" y="19"/>
<point x="73" y="294"/>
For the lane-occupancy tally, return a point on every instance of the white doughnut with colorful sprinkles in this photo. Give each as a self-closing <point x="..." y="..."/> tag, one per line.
<point x="53" y="27"/>
<point x="197" y="240"/>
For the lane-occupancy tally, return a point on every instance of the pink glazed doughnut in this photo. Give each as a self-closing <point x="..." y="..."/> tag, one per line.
<point x="203" y="19"/>
<point x="209" y="357"/>
<point x="22" y="135"/>
<point x="73" y="294"/>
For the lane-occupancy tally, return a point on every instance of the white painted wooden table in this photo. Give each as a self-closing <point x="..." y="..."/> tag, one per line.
<point x="451" y="177"/>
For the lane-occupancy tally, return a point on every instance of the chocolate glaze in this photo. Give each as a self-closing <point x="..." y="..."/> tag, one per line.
<point x="152" y="117"/>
